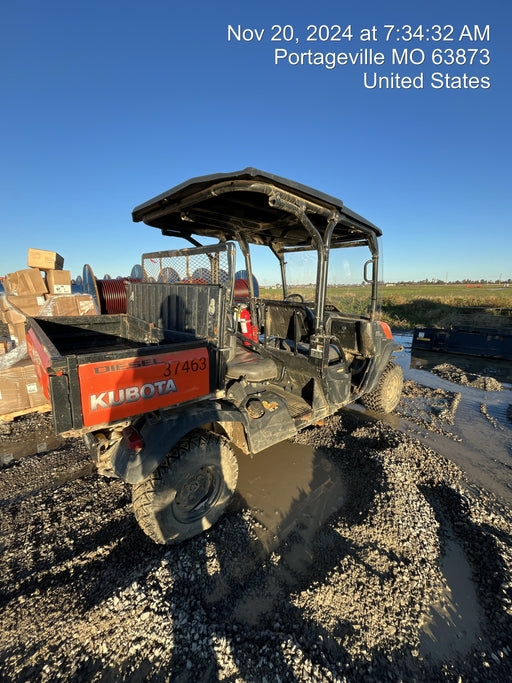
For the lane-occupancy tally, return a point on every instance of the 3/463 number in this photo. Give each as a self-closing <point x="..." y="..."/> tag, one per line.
<point x="175" y="367"/>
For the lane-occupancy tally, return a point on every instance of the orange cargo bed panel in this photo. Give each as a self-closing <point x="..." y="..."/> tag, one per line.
<point x="121" y="389"/>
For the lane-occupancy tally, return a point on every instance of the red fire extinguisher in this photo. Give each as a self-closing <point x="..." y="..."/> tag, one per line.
<point x="248" y="329"/>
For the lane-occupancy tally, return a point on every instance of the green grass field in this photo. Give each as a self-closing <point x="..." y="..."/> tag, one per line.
<point x="405" y="306"/>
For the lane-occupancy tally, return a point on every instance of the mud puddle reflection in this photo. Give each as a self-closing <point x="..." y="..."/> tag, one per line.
<point x="291" y="490"/>
<point x="453" y="625"/>
<point x="470" y="426"/>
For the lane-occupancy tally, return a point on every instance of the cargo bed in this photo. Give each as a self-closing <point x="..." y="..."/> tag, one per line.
<point x="99" y="370"/>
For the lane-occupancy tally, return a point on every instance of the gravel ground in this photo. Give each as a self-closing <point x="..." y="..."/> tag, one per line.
<point x="433" y="409"/>
<point x="409" y="580"/>
<point x="468" y="379"/>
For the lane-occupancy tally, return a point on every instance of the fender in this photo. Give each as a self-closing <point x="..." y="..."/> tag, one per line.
<point x="379" y="362"/>
<point x="159" y="436"/>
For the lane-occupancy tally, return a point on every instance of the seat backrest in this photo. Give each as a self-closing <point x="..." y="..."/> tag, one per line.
<point x="285" y="319"/>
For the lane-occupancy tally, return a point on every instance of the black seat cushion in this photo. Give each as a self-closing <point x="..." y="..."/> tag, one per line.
<point x="251" y="365"/>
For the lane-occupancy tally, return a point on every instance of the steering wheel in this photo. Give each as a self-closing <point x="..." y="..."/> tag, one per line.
<point x="289" y="297"/>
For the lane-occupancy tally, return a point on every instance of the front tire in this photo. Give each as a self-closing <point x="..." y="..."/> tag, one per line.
<point x="190" y="489"/>
<point x="386" y="395"/>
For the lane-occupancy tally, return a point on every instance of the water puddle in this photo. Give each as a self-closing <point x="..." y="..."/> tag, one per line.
<point x="470" y="426"/>
<point x="290" y="488"/>
<point x="453" y="625"/>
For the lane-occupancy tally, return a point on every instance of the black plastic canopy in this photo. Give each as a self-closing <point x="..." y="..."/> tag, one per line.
<point x="258" y="207"/>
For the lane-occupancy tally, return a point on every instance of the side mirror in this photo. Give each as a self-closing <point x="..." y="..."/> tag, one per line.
<point x="365" y="274"/>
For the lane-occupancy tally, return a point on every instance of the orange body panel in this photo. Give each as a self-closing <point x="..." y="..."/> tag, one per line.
<point x="120" y="389"/>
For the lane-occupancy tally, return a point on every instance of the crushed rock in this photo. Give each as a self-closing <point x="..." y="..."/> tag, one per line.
<point x="86" y="596"/>
<point x="432" y="409"/>
<point x="467" y="379"/>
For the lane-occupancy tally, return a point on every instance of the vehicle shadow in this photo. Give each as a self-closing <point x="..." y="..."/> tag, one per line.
<point x="226" y="595"/>
<point x="246" y="587"/>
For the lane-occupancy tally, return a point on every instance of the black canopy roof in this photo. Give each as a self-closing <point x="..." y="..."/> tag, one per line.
<point x="260" y="207"/>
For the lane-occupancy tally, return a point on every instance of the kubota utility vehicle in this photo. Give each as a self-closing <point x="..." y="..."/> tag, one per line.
<point x="201" y="363"/>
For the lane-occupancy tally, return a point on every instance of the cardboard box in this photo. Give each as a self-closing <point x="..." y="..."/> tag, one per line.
<point x="29" y="304"/>
<point x="69" y="304"/>
<point x="34" y="390"/>
<point x="14" y="317"/>
<point x="86" y="305"/>
<point x="13" y="392"/>
<point x="19" y="388"/>
<point x="60" y="304"/>
<point x="6" y="345"/>
<point x="58" y="281"/>
<point x="22" y="282"/>
<point x="45" y="260"/>
<point x="17" y="332"/>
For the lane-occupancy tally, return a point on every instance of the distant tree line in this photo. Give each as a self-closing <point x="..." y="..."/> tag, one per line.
<point x="466" y="281"/>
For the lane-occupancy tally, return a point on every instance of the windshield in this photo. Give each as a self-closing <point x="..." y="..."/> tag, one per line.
<point x="346" y="289"/>
<point x="300" y="273"/>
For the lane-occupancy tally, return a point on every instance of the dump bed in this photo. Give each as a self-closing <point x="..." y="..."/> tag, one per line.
<point x="98" y="370"/>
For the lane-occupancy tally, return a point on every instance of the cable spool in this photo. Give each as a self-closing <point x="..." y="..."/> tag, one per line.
<point x="244" y="275"/>
<point x="136" y="273"/>
<point x="110" y="295"/>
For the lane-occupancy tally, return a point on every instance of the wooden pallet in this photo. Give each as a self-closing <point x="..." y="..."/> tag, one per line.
<point x="9" y="417"/>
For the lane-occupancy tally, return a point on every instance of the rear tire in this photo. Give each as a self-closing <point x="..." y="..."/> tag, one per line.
<point x="189" y="491"/>
<point x="386" y="395"/>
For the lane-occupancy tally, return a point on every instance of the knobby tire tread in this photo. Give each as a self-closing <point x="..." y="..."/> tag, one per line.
<point x="144" y="492"/>
<point x="374" y="400"/>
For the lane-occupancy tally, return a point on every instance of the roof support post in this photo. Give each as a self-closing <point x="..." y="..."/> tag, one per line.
<point x="322" y="248"/>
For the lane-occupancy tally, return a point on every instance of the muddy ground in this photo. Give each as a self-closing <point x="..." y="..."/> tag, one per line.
<point x="357" y="552"/>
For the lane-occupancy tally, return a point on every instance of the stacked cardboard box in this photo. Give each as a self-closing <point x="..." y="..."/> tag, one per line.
<point x="20" y="389"/>
<point x="6" y="345"/>
<point x="29" y="304"/>
<point x="44" y="260"/>
<point x="58" y="281"/>
<point x="68" y="304"/>
<point x="13" y="318"/>
<point x="26" y="291"/>
<point x="25" y="282"/>
<point x="29" y="294"/>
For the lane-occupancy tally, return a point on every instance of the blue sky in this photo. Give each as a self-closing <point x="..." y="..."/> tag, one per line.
<point x="106" y="104"/>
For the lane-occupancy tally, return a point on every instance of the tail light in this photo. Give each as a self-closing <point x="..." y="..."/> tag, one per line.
<point x="132" y="438"/>
<point x="386" y="330"/>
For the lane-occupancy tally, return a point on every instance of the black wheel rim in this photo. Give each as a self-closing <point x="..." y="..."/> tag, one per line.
<point x="198" y="494"/>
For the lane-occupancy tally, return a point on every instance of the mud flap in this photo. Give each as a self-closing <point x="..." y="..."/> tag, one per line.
<point x="337" y="383"/>
<point x="274" y="425"/>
